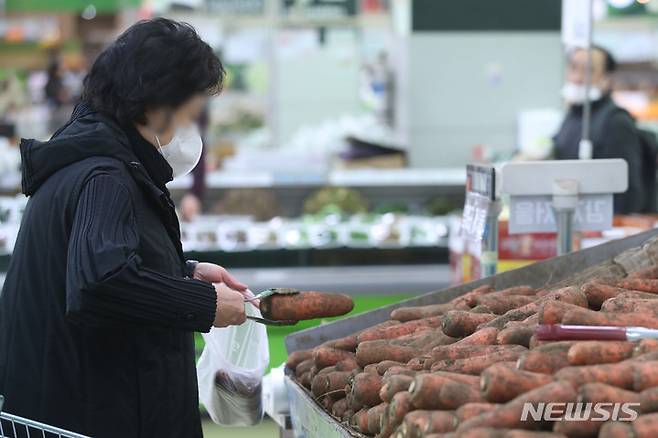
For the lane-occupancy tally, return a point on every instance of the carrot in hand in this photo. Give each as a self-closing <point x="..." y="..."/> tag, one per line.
<point x="305" y="305"/>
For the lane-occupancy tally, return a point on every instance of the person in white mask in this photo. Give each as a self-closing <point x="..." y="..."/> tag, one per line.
<point x="99" y="305"/>
<point x="612" y="130"/>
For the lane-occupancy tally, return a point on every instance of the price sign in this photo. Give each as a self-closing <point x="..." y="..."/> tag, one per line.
<point x="480" y="193"/>
<point x="534" y="214"/>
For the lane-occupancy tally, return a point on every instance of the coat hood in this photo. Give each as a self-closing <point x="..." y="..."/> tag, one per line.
<point x="87" y="134"/>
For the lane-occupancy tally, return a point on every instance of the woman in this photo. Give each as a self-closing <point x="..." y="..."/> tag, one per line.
<point x="99" y="306"/>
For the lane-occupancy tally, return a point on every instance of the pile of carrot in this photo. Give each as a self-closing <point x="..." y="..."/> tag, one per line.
<point x="466" y="368"/>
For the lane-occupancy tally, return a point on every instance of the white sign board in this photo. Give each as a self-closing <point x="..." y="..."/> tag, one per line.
<point x="534" y="214"/>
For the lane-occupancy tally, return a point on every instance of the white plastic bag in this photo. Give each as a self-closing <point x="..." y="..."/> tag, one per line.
<point x="230" y="372"/>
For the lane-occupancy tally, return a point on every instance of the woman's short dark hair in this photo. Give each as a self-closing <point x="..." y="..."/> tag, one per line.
<point x="154" y="64"/>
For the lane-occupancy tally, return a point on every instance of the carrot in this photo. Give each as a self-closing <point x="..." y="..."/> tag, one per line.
<point x="305" y="305"/>
<point x="597" y="293"/>
<point x="590" y="317"/>
<point x="336" y="380"/>
<point x="641" y="284"/>
<point x="475" y="365"/>
<point x="386" y="364"/>
<point x="531" y="320"/>
<point x="489" y="432"/>
<point x="470" y="410"/>
<point x="427" y="392"/>
<point x="413" y="423"/>
<point x="458" y="323"/>
<point x="305" y="379"/>
<point x="319" y="385"/>
<point x="645" y="346"/>
<point x="546" y="359"/>
<point x="418" y="424"/>
<point x="644" y="376"/>
<point x="452" y="352"/>
<point x="374" y="417"/>
<point x="418" y="312"/>
<point x="396" y="330"/>
<point x="638" y="295"/>
<point x="500" y="384"/>
<point x="518" y="290"/>
<point x="398" y="408"/>
<point x="327" y="402"/>
<point x="304" y="367"/>
<point x="596" y="352"/>
<point x="399" y="370"/>
<point x="326" y="370"/>
<point x="394" y="384"/>
<point x="377" y="351"/>
<point x="509" y="414"/>
<point x="365" y="389"/>
<point x="297" y="357"/>
<point x="454" y="394"/>
<point x="581" y="428"/>
<point x="519" y="314"/>
<point x="569" y="295"/>
<point x="645" y="426"/>
<point x="485" y="336"/>
<point x="469" y="298"/>
<point x="516" y="335"/>
<point x="552" y="312"/>
<point x="649" y="400"/>
<point x="347" y="343"/>
<point x="599" y="393"/>
<point x="347" y="364"/>
<point x="618" y="374"/>
<point x="417" y="363"/>
<point x="647" y="272"/>
<point x="359" y="421"/>
<point x="430" y="339"/>
<point x="376" y="327"/>
<point x="411" y="338"/>
<point x="339" y="407"/>
<point x="616" y="430"/>
<point x="480" y="308"/>
<point x="501" y="304"/>
<point x="628" y="305"/>
<point x="440" y="422"/>
<point x="602" y="393"/>
<point x="371" y="369"/>
<point x="325" y="357"/>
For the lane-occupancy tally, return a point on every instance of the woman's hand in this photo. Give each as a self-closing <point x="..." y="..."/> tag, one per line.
<point x="230" y="306"/>
<point x="213" y="273"/>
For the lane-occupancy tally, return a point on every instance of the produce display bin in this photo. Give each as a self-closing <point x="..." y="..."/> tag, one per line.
<point x="610" y="259"/>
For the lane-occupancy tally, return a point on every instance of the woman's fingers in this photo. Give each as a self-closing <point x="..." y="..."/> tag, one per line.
<point x="233" y="282"/>
<point x="213" y="273"/>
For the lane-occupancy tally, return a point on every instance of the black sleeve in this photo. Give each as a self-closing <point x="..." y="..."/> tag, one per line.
<point x="623" y="141"/>
<point x="106" y="283"/>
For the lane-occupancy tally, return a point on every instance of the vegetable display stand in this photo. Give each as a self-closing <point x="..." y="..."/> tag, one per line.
<point x="15" y="426"/>
<point x="310" y="417"/>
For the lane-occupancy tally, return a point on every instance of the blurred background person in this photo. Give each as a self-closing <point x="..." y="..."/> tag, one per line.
<point x="612" y="129"/>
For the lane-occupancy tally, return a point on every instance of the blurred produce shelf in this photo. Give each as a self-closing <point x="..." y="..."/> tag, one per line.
<point x="312" y="257"/>
<point x="361" y="280"/>
<point x="447" y="177"/>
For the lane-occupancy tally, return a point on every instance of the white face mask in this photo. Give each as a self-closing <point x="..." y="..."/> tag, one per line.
<point x="183" y="152"/>
<point x="575" y="93"/>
